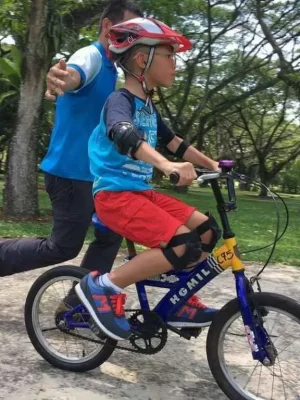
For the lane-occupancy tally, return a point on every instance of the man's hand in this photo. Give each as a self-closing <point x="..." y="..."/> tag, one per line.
<point x="61" y="78"/>
<point x="56" y="80"/>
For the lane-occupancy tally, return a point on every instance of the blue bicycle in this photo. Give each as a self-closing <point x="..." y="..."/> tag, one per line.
<point x="253" y="342"/>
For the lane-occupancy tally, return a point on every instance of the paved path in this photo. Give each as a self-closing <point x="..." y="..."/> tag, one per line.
<point x="179" y="372"/>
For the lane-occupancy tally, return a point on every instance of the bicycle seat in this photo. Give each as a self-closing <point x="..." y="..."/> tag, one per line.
<point x="98" y="224"/>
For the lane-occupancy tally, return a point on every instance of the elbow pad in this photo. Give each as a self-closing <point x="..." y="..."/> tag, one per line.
<point x="126" y="138"/>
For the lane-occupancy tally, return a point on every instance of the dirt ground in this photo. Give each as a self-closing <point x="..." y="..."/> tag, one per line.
<point x="180" y="371"/>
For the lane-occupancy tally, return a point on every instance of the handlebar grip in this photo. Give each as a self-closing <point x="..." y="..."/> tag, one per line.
<point x="227" y="164"/>
<point x="231" y="191"/>
<point x="174" y="178"/>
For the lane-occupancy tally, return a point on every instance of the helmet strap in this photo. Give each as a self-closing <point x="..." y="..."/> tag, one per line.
<point x="150" y="59"/>
<point x="141" y="78"/>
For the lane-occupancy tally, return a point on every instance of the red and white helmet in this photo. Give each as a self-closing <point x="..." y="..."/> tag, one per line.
<point x="147" y="31"/>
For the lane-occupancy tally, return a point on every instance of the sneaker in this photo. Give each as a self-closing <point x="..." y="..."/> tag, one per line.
<point x="193" y="314"/>
<point x="105" y="306"/>
<point x="69" y="302"/>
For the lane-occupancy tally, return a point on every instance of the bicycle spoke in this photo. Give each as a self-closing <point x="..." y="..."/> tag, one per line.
<point x="259" y="382"/>
<point x="65" y="344"/>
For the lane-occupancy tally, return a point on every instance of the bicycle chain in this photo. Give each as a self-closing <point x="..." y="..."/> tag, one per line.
<point x="104" y="342"/>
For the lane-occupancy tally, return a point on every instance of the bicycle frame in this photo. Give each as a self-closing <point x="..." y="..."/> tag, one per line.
<point x="182" y="285"/>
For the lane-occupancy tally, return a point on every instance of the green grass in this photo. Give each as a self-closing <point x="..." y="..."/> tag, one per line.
<point x="254" y="223"/>
<point x="38" y="227"/>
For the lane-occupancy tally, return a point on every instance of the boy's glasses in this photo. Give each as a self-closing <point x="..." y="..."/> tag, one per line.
<point x="170" y="56"/>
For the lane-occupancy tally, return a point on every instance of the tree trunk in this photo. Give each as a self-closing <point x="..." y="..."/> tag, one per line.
<point x="263" y="192"/>
<point x="245" y="186"/>
<point x="264" y="176"/>
<point x="20" y="197"/>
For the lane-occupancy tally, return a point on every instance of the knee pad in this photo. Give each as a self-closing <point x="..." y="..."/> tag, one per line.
<point x="192" y="253"/>
<point x="212" y="224"/>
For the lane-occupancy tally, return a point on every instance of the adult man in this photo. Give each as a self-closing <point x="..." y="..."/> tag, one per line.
<point x="85" y="82"/>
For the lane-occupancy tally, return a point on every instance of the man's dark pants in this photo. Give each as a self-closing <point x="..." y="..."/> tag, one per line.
<point x="72" y="209"/>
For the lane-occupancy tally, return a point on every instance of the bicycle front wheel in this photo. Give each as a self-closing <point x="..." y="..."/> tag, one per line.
<point x="230" y="358"/>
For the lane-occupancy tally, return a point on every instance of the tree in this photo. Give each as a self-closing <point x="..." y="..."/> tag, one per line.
<point x="279" y="22"/>
<point x="8" y="112"/>
<point x="10" y="74"/>
<point x="48" y="23"/>
<point x="21" y="181"/>
<point x="230" y="63"/>
<point x="225" y="67"/>
<point x="264" y="133"/>
<point x="290" y="179"/>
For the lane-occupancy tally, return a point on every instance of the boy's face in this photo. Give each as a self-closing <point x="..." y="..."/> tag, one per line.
<point x="163" y="67"/>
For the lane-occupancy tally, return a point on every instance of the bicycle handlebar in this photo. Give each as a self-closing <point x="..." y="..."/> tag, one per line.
<point x="226" y="167"/>
<point x="208" y="177"/>
<point x="174" y="176"/>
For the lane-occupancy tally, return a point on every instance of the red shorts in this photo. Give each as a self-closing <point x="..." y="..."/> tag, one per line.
<point x="146" y="217"/>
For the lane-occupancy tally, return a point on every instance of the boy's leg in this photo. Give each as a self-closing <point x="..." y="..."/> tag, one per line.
<point x="194" y="312"/>
<point x="101" y="294"/>
<point x="136" y="217"/>
<point x="154" y="262"/>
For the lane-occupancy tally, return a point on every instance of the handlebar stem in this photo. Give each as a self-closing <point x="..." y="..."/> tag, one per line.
<point x="222" y="208"/>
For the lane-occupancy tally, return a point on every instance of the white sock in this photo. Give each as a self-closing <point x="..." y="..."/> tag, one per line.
<point x="104" y="280"/>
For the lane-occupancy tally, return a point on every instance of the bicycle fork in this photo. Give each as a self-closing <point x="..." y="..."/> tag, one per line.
<point x="259" y="340"/>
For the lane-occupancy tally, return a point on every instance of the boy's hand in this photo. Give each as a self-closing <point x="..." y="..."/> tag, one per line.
<point x="215" y="166"/>
<point x="185" y="170"/>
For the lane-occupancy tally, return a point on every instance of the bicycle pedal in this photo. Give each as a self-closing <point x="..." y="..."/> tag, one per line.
<point x="186" y="333"/>
<point x="97" y="331"/>
<point x="191" y="332"/>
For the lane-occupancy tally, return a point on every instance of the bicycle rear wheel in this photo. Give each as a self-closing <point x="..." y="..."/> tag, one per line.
<point x="230" y="358"/>
<point x="73" y="348"/>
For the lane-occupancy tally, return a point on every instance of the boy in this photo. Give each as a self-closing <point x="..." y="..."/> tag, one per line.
<point x="122" y="153"/>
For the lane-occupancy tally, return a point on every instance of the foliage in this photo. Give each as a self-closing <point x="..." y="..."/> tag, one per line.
<point x="261" y="133"/>
<point x="279" y="23"/>
<point x="290" y="179"/>
<point x="227" y="99"/>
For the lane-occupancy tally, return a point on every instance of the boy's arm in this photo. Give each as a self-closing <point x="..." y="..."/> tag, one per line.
<point x="118" y="112"/>
<point x="191" y="154"/>
<point x="183" y="149"/>
<point x="128" y="140"/>
<point x="148" y="154"/>
<point x="185" y="170"/>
